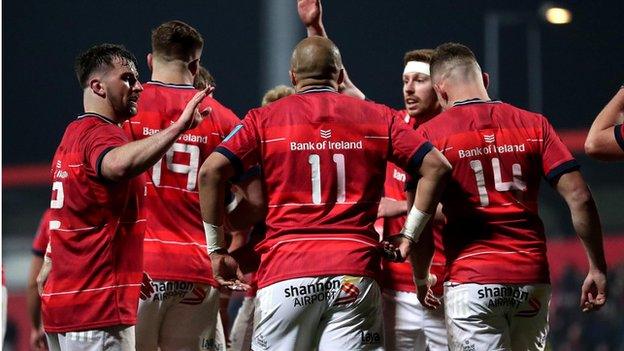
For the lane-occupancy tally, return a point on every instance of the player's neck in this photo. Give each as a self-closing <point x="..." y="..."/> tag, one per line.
<point x="101" y="107"/>
<point x="173" y="76"/>
<point x="467" y="92"/>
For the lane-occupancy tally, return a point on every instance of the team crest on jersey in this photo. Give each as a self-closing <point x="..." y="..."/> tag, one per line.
<point x="489" y="138"/>
<point x="326" y="134"/>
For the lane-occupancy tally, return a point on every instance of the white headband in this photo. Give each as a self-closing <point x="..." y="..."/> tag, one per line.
<point x="417" y="67"/>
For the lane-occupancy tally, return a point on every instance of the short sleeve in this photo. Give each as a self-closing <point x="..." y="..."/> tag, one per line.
<point x="40" y="242"/>
<point x="98" y="141"/>
<point x="619" y="134"/>
<point x="556" y="158"/>
<point x="408" y="147"/>
<point x="241" y="146"/>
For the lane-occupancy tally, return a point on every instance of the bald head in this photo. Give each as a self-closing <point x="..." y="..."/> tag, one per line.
<point x="316" y="61"/>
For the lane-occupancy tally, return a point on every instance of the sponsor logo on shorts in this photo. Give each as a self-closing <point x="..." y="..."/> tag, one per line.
<point x="369" y="338"/>
<point x="262" y="342"/>
<point x="468" y="346"/>
<point x="348" y="293"/>
<point x="499" y="296"/>
<point x="304" y="295"/>
<point x="211" y="345"/>
<point x="167" y="290"/>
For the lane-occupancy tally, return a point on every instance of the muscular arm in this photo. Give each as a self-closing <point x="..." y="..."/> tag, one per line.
<point x="136" y="157"/>
<point x="601" y="143"/>
<point x="389" y="207"/>
<point x="572" y="187"/>
<point x="311" y="15"/>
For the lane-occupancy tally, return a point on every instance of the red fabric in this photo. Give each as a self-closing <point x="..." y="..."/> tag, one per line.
<point x="42" y="237"/>
<point x="175" y="243"/>
<point x="97" y="251"/>
<point x="494" y="233"/>
<point x="321" y="138"/>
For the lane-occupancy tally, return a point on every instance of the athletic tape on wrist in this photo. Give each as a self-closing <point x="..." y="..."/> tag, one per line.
<point x="232" y="205"/>
<point x="417" y="67"/>
<point x="422" y="282"/>
<point x="415" y="223"/>
<point x="215" y="240"/>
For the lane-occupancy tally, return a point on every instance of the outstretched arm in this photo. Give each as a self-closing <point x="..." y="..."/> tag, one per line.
<point x="586" y="223"/>
<point x="136" y="157"/>
<point x="605" y="138"/>
<point x="311" y="15"/>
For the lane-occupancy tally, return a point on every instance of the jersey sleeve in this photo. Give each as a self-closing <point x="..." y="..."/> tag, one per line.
<point x="40" y="242"/>
<point x="98" y="141"/>
<point x="619" y="134"/>
<point x="556" y="158"/>
<point x="408" y="147"/>
<point x="242" y="145"/>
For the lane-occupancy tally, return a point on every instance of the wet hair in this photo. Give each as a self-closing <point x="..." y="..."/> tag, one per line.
<point x="99" y="57"/>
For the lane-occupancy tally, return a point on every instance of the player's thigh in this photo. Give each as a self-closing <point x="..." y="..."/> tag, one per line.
<point x="529" y="323"/>
<point x="471" y="323"/>
<point x="193" y="323"/>
<point x="402" y="321"/>
<point x="435" y="329"/>
<point x="288" y="313"/>
<point x="150" y="314"/>
<point x="117" y="338"/>
<point x="242" y="328"/>
<point x="354" y="320"/>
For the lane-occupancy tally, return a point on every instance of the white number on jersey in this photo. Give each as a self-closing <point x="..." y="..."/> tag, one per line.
<point x="60" y="195"/>
<point x="190" y="169"/>
<point x="341" y="193"/>
<point x="516" y="184"/>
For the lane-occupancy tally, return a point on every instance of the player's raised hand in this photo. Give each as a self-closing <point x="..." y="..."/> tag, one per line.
<point x="226" y="271"/>
<point x="310" y="12"/>
<point x="424" y="292"/>
<point x="594" y="291"/>
<point x="191" y="117"/>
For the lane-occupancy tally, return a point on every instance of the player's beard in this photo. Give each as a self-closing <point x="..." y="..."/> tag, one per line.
<point x="125" y="109"/>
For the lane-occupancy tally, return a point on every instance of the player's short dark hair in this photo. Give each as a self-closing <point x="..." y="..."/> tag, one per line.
<point x="203" y="79"/>
<point x="450" y="55"/>
<point x="420" y="55"/>
<point x="98" y="57"/>
<point x="176" y="40"/>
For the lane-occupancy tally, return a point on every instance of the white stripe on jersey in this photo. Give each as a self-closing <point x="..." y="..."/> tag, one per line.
<point x="172" y="187"/>
<point x="174" y="242"/>
<point x="323" y="203"/>
<point x="323" y="239"/>
<point x="272" y="140"/>
<point x="89" y="290"/>
<point x="494" y="252"/>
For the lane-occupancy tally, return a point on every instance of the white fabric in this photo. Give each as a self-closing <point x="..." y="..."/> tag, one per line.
<point x="319" y="313"/>
<point x="180" y="316"/>
<point x="410" y="326"/>
<point x="118" y="338"/>
<point x="215" y="239"/>
<point x="5" y="305"/>
<point x="417" y="67"/>
<point x="242" y="328"/>
<point x="415" y="223"/>
<point x="497" y="317"/>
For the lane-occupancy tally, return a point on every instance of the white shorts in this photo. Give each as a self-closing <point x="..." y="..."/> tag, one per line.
<point x="117" y="338"/>
<point x="497" y="316"/>
<point x="319" y="313"/>
<point x="180" y="316"/>
<point x="242" y="329"/>
<point x="410" y="326"/>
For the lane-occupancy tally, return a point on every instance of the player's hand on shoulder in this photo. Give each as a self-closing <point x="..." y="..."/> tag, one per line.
<point x="594" y="291"/>
<point x="226" y="271"/>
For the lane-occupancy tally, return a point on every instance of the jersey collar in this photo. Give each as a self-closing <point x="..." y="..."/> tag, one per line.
<point x="319" y="90"/>
<point x="170" y="85"/>
<point x="97" y="115"/>
<point x="476" y="101"/>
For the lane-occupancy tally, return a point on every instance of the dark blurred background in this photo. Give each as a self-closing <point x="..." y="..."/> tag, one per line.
<point x="568" y="72"/>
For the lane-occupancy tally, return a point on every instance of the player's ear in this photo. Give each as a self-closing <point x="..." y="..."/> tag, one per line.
<point x="193" y="67"/>
<point x="95" y="84"/>
<point x="340" y="76"/>
<point x="150" y="59"/>
<point x="442" y="95"/>
<point x="486" y="79"/>
<point x="293" y="78"/>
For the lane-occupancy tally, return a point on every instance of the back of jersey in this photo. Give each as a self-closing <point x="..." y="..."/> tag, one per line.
<point x="499" y="154"/>
<point x="323" y="156"/>
<point x="175" y="245"/>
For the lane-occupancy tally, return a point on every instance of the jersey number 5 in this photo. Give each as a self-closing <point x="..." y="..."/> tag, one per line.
<point x="315" y="161"/>
<point x="516" y="184"/>
<point x="190" y="170"/>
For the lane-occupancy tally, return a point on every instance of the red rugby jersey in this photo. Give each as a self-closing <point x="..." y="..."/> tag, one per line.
<point x="42" y="237"/>
<point x="96" y="233"/>
<point x="619" y="135"/>
<point x="499" y="154"/>
<point x="398" y="276"/>
<point x="175" y="243"/>
<point x="323" y="157"/>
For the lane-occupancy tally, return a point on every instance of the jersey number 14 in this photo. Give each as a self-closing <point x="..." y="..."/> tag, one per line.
<point x="516" y="184"/>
